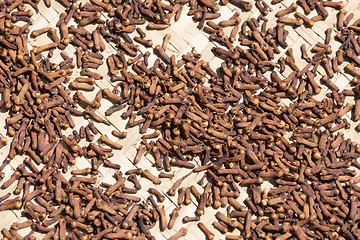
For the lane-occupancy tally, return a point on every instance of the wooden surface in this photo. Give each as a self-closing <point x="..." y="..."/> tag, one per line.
<point x="185" y="35"/>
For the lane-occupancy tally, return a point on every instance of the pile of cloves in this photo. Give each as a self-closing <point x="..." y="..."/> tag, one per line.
<point x="228" y="124"/>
